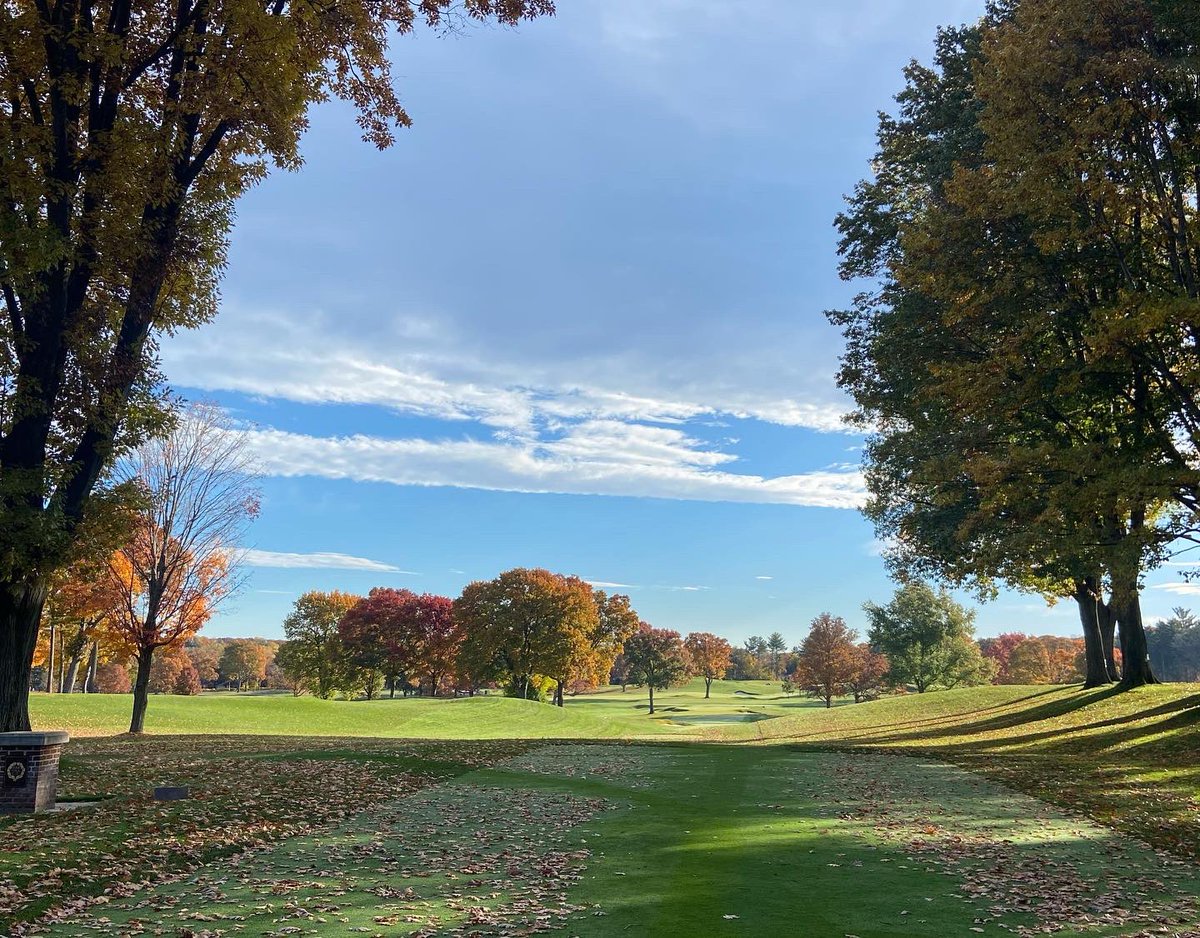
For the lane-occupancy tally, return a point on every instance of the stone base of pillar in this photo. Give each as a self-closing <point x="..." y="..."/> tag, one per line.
<point x="29" y="771"/>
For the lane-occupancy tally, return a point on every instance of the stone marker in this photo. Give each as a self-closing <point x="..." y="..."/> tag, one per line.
<point x="171" y="793"/>
<point x="29" y="770"/>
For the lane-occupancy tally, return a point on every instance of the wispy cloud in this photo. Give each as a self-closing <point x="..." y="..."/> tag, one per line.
<point x="764" y="578"/>
<point x="436" y="377"/>
<point x="605" y="584"/>
<point x="1181" y="589"/>
<point x="318" y="560"/>
<point x="599" y="458"/>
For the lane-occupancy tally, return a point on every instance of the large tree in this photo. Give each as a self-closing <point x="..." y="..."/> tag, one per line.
<point x="127" y="133"/>
<point x="828" y="658"/>
<point x="1025" y="357"/>
<point x="526" y="623"/>
<point x="616" y="620"/>
<point x="401" y="634"/>
<point x="928" y="639"/>
<point x="313" y="656"/>
<point x="244" y="661"/>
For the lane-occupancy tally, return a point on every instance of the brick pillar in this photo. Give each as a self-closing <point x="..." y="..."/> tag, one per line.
<point x="29" y="771"/>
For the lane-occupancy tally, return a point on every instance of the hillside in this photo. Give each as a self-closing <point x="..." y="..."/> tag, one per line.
<point x="1126" y="759"/>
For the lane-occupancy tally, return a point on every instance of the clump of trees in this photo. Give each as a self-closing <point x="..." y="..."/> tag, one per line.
<point x="832" y="662"/>
<point x="312" y="656"/>
<point x="404" y="639"/>
<point x="1174" y="646"/>
<point x="527" y="624"/>
<point x="1036" y="659"/>
<point x="1026" y="354"/>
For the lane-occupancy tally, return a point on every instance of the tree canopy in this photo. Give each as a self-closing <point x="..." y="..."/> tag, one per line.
<point x="928" y="639"/>
<point x="127" y="134"/>
<point x="1026" y="352"/>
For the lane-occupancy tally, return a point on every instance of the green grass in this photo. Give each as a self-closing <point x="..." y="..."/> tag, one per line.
<point x="489" y="717"/>
<point x="1127" y="759"/>
<point x="604" y="840"/>
<point x="749" y="804"/>
<point x="604" y="714"/>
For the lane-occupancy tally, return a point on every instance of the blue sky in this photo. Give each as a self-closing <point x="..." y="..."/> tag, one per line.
<point x="573" y="319"/>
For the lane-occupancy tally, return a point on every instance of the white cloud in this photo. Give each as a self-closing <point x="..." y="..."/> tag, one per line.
<point x="605" y="584"/>
<point x="438" y="376"/>
<point x="318" y="560"/>
<point x="596" y="458"/>
<point x="764" y="578"/>
<point x="1182" y="589"/>
<point x="687" y="589"/>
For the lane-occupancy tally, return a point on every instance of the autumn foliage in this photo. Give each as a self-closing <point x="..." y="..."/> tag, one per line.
<point x="403" y="636"/>
<point x="708" y="656"/>
<point x="828" y="659"/>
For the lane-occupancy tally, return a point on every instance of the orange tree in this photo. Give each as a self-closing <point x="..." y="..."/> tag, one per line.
<point x="181" y="560"/>
<point x="709" y="656"/>
<point x="595" y="656"/>
<point x="129" y="132"/>
<point x="828" y="658"/>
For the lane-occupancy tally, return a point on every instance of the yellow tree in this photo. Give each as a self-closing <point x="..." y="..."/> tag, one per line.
<point x="183" y="558"/>
<point x="597" y="648"/>
<point x="127" y="133"/>
<point x="80" y="602"/>
<point x="525" y="624"/>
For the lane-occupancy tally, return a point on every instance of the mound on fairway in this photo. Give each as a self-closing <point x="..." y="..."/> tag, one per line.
<point x="284" y="715"/>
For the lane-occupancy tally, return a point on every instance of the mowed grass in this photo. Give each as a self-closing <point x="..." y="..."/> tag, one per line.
<point x="835" y="822"/>
<point x="604" y="714"/>
<point x="490" y="717"/>
<point x="662" y="840"/>
<point x="1127" y="759"/>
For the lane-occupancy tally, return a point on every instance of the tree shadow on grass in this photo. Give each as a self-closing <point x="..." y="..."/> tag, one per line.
<point x="920" y="727"/>
<point x="1075" y="737"/>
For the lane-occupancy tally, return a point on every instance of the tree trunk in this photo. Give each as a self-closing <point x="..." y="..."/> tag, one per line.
<point x="72" y="672"/>
<point x="707" y="686"/>
<point x="558" y="694"/>
<point x="1135" y="657"/>
<point x="50" y="661"/>
<point x="20" y="616"/>
<point x="141" y="690"/>
<point x="89" y="683"/>
<point x="1108" y="627"/>
<point x="1088" y="599"/>
<point x="651" y="698"/>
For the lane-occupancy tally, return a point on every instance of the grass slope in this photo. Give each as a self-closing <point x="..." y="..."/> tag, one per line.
<point x="1126" y="759"/>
